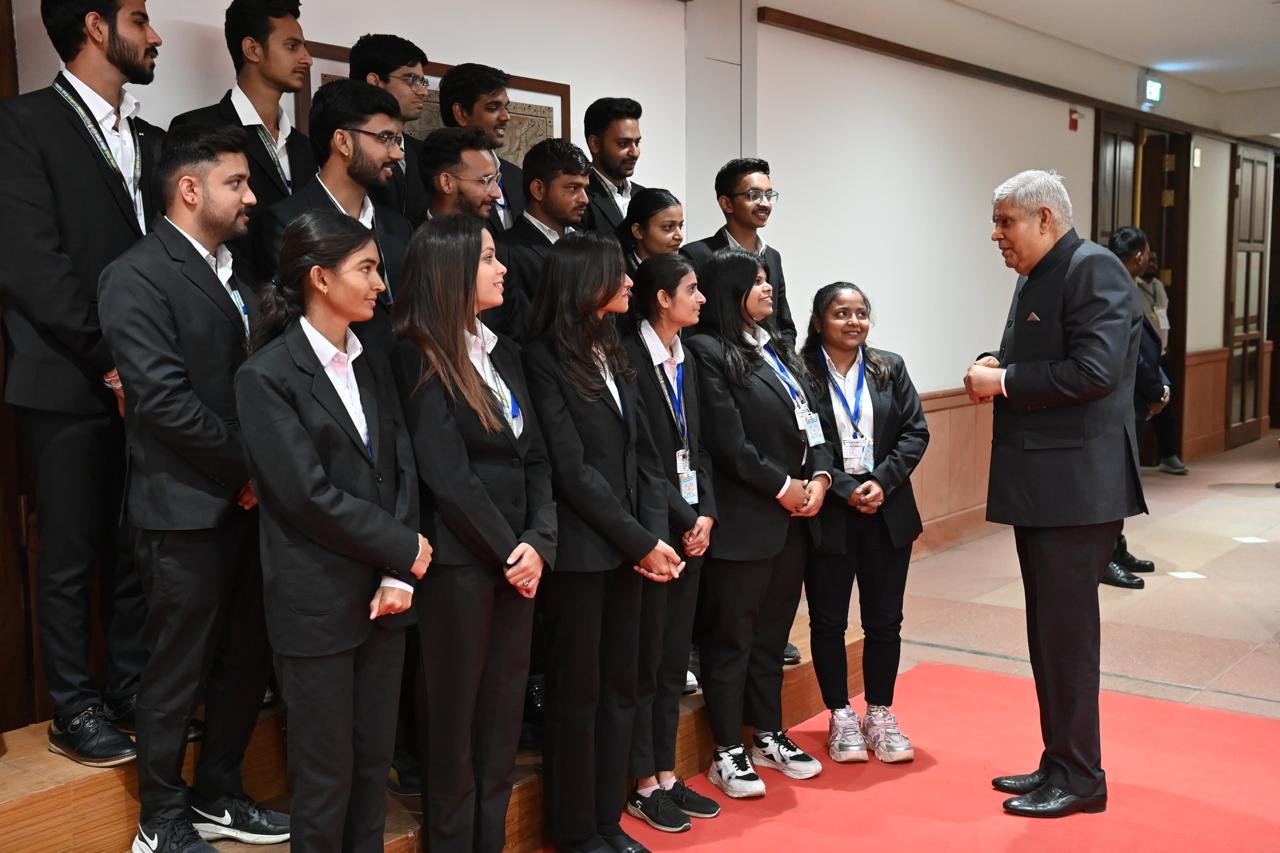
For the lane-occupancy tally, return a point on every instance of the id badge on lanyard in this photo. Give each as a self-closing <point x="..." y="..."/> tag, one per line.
<point x="858" y="450"/>
<point x="684" y="467"/>
<point x="806" y="421"/>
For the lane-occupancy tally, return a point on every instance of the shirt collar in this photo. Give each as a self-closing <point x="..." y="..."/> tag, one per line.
<point x="366" y="206"/>
<point x="249" y="117"/>
<point x="624" y="190"/>
<point x="544" y="229"/>
<point x="657" y="349"/>
<point x="758" y="337"/>
<point x="483" y="342"/>
<point x="103" y="113"/>
<point x="327" y="352"/>
<point x="833" y="370"/>
<point x="219" y="261"/>
<point x="734" y="244"/>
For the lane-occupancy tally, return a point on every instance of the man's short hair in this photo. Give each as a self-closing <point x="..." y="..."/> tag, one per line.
<point x="465" y="84"/>
<point x="551" y="158"/>
<point x="1127" y="241"/>
<point x="252" y="19"/>
<point x="189" y="145"/>
<point x="341" y="104"/>
<point x="606" y="111"/>
<point x="730" y="173"/>
<point x="443" y="148"/>
<point x="382" y="53"/>
<point x="1034" y="189"/>
<point x="64" y="22"/>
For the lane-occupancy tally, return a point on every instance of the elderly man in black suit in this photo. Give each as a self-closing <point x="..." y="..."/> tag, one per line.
<point x="1064" y="467"/>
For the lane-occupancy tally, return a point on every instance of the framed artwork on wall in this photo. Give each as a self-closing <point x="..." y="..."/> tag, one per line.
<point x="539" y="108"/>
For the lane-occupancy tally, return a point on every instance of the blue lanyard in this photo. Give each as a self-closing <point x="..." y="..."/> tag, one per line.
<point x="785" y="375"/>
<point x="854" y="414"/>
<point x="515" y="405"/>
<point x="676" y="397"/>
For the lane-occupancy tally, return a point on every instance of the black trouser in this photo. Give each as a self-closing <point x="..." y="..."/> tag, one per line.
<point x="749" y="607"/>
<point x="342" y="730"/>
<point x="79" y="470"/>
<point x="207" y="633"/>
<point x="1060" y="571"/>
<point x="592" y="624"/>
<point x="475" y="630"/>
<point x="406" y="755"/>
<point x="666" y="632"/>
<point x="881" y="572"/>
<point x="1166" y="423"/>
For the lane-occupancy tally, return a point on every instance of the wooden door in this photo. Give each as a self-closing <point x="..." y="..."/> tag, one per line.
<point x="1249" y="244"/>
<point x="1115" y="177"/>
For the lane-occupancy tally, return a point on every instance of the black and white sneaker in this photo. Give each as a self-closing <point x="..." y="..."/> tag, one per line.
<point x="731" y="772"/>
<point x="658" y="811"/>
<point x="691" y="802"/>
<point x="240" y="819"/>
<point x="776" y="750"/>
<point x="169" y="835"/>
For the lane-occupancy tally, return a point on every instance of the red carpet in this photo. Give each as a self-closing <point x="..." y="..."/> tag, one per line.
<point x="1180" y="777"/>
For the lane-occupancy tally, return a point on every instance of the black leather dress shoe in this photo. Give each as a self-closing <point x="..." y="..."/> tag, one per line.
<point x="790" y="655"/>
<point x="1024" y="784"/>
<point x="1115" y="575"/>
<point x="1051" y="801"/>
<point x="90" y="738"/>
<point x="1127" y="561"/>
<point x="623" y="843"/>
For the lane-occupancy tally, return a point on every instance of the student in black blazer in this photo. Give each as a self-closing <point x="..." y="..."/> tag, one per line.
<point x="877" y="433"/>
<point x="772" y="472"/>
<point x="475" y="95"/>
<point x="668" y="300"/>
<point x="355" y="130"/>
<point x="333" y="470"/>
<point x="611" y="506"/>
<point x="612" y="130"/>
<point x="69" y="210"/>
<point x="654" y="225"/>
<point x="486" y="504"/>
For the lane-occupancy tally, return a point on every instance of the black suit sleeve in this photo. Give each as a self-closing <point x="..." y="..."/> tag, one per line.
<point x="287" y="467"/>
<point x="37" y="278"/>
<point x="657" y="492"/>
<point x="1149" y="384"/>
<point x="268" y="231"/>
<point x="138" y="324"/>
<point x="912" y="438"/>
<point x="782" y="315"/>
<point x="541" y="528"/>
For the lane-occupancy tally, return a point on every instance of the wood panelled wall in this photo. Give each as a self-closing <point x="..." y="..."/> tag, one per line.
<point x="951" y="482"/>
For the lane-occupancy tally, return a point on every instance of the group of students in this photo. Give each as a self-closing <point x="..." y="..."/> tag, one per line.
<point x="350" y="407"/>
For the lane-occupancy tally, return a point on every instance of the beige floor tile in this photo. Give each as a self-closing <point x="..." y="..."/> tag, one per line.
<point x="1176" y="657"/>
<point x="978" y="627"/>
<point x="1152" y="690"/>
<point x="913" y="654"/>
<point x="1229" y="702"/>
<point x="1258" y="674"/>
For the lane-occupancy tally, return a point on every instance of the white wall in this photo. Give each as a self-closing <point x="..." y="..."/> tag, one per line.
<point x="1207" y="245"/>
<point x="532" y="39"/>
<point x="885" y="170"/>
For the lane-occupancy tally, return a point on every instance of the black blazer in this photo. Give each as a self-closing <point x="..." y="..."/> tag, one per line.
<point x="512" y="183"/>
<point x="611" y="500"/>
<point x="666" y="437"/>
<point x="264" y="178"/>
<point x="700" y="251"/>
<point x="900" y="435"/>
<point x="66" y="215"/>
<point x="525" y="249"/>
<point x="1148" y="385"/>
<point x="602" y="211"/>
<point x="1063" y="449"/>
<point x="755" y="445"/>
<point x="390" y="229"/>
<point x="482" y="492"/>
<point x="406" y="191"/>
<point x="334" y="521"/>
<point x="177" y="339"/>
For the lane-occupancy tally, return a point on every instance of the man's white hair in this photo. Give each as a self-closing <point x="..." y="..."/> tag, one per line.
<point x="1034" y="189"/>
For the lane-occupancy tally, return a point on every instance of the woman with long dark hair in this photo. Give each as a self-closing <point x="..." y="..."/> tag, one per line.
<point x="333" y="470"/>
<point x="666" y="300"/>
<point x="611" y="505"/>
<point x="772" y="472"/>
<point x="486" y="504"/>
<point x="654" y="225"/>
<point x="878" y="436"/>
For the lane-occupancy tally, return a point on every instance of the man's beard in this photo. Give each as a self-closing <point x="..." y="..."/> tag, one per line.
<point x="124" y="56"/>
<point x="365" y="170"/>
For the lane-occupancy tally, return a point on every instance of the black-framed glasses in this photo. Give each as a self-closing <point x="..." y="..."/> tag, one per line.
<point x="414" y="81"/>
<point x="386" y="137"/>
<point x="485" y="181"/>
<point x="755" y="196"/>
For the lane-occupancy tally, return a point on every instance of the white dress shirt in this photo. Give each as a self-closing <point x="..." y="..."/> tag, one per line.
<point x="339" y="366"/>
<point x="478" y="349"/>
<point x="547" y="232"/>
<point x="221" y="264"/>
<point x="249" y="118"/>
<point x="667" y="359"/>
<point x="848" y="383"/>
<point x="366" y="206"/>
<point x="621" y="195"/>
<point x="609" y="381"/>
<point x="117" y="132"/>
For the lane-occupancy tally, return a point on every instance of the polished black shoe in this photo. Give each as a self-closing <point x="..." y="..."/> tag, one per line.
<point x="240" y="819"/>
<point x="1127" y="561"/>
<point x="1114" y="575"/>
<point x="658" y="811"/>
<point x="691" y="802"/>
<point x="1051" y="801"/>
<point x="623" y="843"/>
<point x="790" y="655"/>
<point x="1023" y="784"/>
<point x="535" y="701"/>
<point x="90" y="738"/>
<point x="169" y="836"/>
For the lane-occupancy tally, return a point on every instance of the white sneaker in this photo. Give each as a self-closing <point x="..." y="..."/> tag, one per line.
<point x="881" y="729"/>
<point x="690" y="683"/>
<point x="844" y="736"/>
<point x="731" y="772"/>
<point x="776" y="750"/>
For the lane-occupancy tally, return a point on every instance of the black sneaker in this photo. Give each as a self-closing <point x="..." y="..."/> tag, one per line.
<point x="123" y="714"/>
<point x="691" y="802"/>
<point x="404" y="780"/>
<point x="169" y="836"/>
<point x="658" y="811"/>
<point x="91" y="739"/>
<point x="790" y="655"/>
<point x="240" y="819"/>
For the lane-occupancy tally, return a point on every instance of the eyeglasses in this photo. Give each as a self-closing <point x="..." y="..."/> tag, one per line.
<point x="414" y="81"/>
<point x="485" y="181"/>
<point x="755" y="196"/>
<point x="386" y="137"/>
